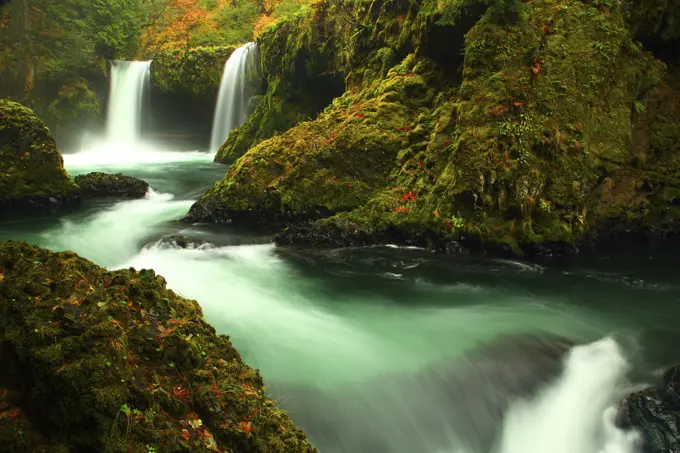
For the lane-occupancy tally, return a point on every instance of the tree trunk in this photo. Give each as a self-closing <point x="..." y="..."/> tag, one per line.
<point x="20" y="32"/>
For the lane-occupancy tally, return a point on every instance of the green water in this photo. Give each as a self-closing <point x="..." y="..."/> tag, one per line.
<point x="333" y="321"/>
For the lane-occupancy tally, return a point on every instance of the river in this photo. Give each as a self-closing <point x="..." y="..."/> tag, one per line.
<point x="360" y="345"/>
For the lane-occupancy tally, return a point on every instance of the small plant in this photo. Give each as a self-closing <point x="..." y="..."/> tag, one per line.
<point x="639" y="107"/>
<point x="545" y="206"/>
<point x="456" y="222"/>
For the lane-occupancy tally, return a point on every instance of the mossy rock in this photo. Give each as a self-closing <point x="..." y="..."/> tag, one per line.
<point x="196" y="71"/>
<point x="104" y="361"/>
<point x="535" y="146"/>
<point x="32" y="171"/>
<point x="97" y="184"/>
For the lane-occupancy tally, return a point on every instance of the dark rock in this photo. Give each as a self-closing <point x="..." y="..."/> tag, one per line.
<point x="96" y="184"/>
<point x="656" y="413"/>
<point x="183" y="242"/>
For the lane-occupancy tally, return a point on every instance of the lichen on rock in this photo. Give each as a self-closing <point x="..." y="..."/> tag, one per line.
<point x="533" y="142"/>
<point x="104" y="361"/>
<point x="97" y="184"/>
<point x="32" y="171"/>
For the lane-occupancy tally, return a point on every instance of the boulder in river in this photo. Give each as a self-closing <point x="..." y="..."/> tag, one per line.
<point x="104" y="361"/>
<point x="32" y="171"/>
<point x="97" y="184"/>
<point x="656" y="413"/>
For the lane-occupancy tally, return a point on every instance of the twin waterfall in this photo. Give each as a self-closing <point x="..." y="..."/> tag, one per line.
<point x="235" y="92"/>
<point x="130" y="82"/>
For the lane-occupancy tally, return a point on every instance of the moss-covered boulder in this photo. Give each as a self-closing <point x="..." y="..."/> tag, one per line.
<point x="115" y="362"/>
<point x="32" y="171"/>
<point x="196" y="71"/>
<point x="555" y="127"/>
<point x="656" y="413"/>
<point x="302" y="69"/>
<point x="97" y="184"/>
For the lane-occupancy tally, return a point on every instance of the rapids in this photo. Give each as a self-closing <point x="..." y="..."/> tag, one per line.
<point x="385" y="349"/>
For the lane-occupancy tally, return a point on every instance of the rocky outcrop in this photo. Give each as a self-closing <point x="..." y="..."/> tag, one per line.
<point x="554" y="128"/>
<point x="656" y="413"/>
<point x="196" y="71"/>
<point x="115" y="362"/>
<point x="96" y="184"/>
<point x="32" y="174"/>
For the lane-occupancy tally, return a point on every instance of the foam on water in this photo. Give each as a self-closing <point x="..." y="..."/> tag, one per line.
<point x="576" y="414"/>
<point x="108" y="155"/>
<point x="115" y="234"/>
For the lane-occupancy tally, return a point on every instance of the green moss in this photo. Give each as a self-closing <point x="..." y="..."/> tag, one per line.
<point x="97" y="184"/>
<point x="31" y="167"/>
<point x="114" y="362"/>
<point x="304" y="66"/>
<point x="196" y="71"/>
<point x="526" y="146"/>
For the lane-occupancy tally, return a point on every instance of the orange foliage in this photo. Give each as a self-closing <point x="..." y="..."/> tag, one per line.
<point x="175" y="27"/>
<point x="262" y="22"/>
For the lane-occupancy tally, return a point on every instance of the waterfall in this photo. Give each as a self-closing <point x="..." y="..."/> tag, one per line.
<point x="235" y="92"/>
<point x="129" y="80"/>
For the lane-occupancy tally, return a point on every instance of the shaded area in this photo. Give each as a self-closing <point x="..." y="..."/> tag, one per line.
<point x="113" y="361"/>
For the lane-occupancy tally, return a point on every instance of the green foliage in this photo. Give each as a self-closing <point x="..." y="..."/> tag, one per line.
<point x="53" y="54"/>
<point x="452" y="10"/>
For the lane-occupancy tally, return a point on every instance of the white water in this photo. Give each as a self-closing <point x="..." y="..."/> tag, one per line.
<point x="234" y="94"/>
<point x="576" y="414"/>
<point x="110" y="155"/>
<point x="129" y="80"/>
<point x="296" y="331"/>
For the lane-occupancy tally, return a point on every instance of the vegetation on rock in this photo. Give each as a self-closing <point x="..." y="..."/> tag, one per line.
<point x="114" y="362"/>
<point x="196" y="71"/>
<point x="97" y="184"/>
<point x="31" y="169"/>
<point x="553" y="126"/>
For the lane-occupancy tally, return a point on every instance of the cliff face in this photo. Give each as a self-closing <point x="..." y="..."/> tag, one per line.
<point x="193" y="72"/>
<point x="114" y="362"/>
<point x="32" y="171"/>
<point x="553" y="126"/>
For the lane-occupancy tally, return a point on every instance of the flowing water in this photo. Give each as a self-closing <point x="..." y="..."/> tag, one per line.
<point x="235" y="93"/>
<point x="129" y="80"/>
<point x="384" y="349"/>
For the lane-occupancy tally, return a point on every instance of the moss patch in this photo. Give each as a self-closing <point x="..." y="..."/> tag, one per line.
<point x="31" y="168"/>
<point x="115" y="362"/>
<point x="99" y="184"/>
<point x="196" y="71"/>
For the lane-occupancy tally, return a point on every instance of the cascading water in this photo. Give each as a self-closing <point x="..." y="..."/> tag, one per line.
<point x="129" y="80"/>
<point x="235" y="92"/>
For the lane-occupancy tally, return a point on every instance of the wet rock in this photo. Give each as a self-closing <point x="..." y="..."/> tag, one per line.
<point x="32" y="174"/>
<point x="97" y="184"/>
<point x="116" y="362"/>
<point x="656" y="413"/>
<point x="183" y="242"/>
